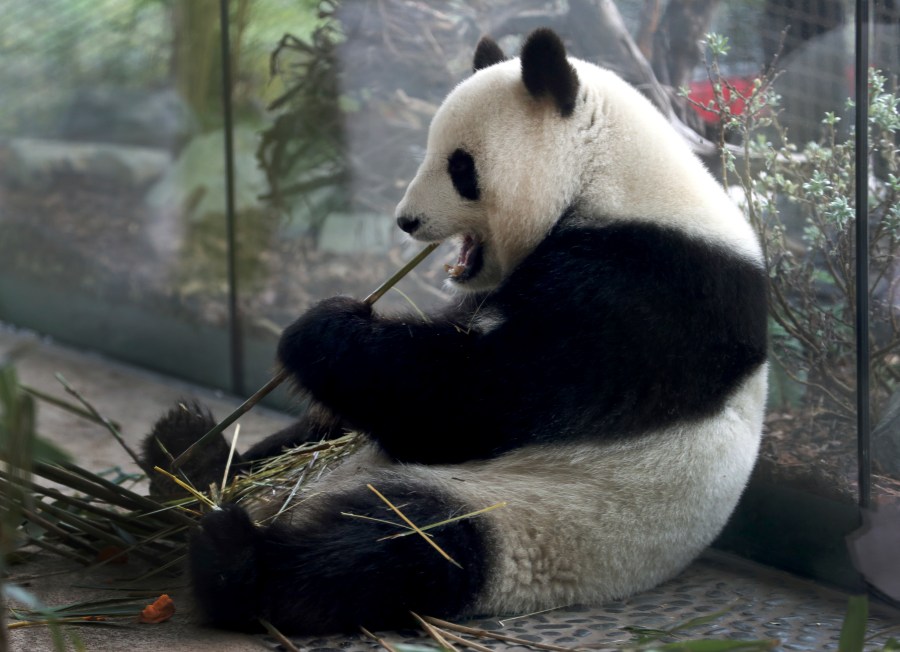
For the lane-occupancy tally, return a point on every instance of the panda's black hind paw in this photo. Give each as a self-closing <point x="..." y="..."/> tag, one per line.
<point x="174" y="433"/>
<point x="224" y="568"/>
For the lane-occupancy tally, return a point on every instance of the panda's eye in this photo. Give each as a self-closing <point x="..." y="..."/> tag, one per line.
<point x="461" y="168"/>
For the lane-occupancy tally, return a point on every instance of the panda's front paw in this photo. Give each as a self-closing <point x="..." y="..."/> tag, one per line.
<point x="225" y="569"/>
<point x="325" y="333"/>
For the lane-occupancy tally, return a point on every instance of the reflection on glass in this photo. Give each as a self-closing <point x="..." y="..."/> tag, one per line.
<point x="798" y="188"/>
<point x="884" y="218"/>
<point x="356" y="95"/>
<point x="111" y="183"/>
<point x="112" y="188"/>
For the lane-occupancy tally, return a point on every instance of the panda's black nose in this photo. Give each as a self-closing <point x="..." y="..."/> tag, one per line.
<point x="408" y="224"/>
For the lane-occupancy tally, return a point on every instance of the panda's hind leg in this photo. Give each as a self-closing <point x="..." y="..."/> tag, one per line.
<point x="187" y="421"/>
<point x="330" y="572"/>
<point x="172" y="434"/>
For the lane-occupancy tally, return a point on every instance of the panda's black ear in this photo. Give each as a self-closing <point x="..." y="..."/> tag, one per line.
<point x="546" y="71"/>
<point x="487" y="53"/>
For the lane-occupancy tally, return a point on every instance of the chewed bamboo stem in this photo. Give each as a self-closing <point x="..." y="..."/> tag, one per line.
<point x="282" y="375"/>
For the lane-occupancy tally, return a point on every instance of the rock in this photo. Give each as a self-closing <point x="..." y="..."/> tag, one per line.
<point x="344" y="233"/>
<point x="150" y="118"/>
<point x="196" y="182"/>
<point x="873" y="549"/>
<point x="34" y="163"/>
<point x="818" y="77"/>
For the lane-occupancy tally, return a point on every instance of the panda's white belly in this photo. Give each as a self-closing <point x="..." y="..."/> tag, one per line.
<point x="593" y="522"/>
<point x="601" y="522"/>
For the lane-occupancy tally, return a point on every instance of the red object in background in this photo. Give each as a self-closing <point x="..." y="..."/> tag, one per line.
<point x="702" y="92"/>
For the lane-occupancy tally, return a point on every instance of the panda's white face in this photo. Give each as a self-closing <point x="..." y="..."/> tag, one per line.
<point x="494" y="176"/>
<point x="516" y="144"/>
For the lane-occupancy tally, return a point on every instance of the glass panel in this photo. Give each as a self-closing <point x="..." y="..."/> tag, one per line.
<point x="353" y="92"/>
<point x="355" y="89"/>
<point x="884" y="212"/>
<point x="352" y="95"/>
<point x="797" y="188"/>
<point x="111" y="189"/>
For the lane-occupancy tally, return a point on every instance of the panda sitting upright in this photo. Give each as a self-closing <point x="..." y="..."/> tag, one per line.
<point x="604" y="374"/>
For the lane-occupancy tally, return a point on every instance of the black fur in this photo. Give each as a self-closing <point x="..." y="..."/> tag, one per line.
<point x="316" y="424"/>
<point x="611" y="330"/>
<point x="487" y="53"/>
<point x="462" y="171"/>
<point x="546" y="71"/>
<point x="172" y="434"/>
<point x="333" y="573"/>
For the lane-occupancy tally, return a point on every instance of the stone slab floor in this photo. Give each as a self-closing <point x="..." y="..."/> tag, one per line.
<point x="759" y="603"/>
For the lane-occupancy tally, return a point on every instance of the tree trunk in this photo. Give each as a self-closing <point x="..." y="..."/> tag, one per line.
<point x="196" y="57"/>
<point x="677" y="45"/>
<point x="650" y="16"/>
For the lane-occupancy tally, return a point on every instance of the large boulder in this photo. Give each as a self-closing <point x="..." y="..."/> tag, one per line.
<point x="150" y="118"/>
<point x="35" y="164"/>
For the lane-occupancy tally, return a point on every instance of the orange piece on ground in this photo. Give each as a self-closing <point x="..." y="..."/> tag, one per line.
<point x="160" y="611"/>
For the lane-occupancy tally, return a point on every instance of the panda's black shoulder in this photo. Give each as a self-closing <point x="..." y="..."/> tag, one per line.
<point x="635" y="260"/>
<point x="653" y="323"/>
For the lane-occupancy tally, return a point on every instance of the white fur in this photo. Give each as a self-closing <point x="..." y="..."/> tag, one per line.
<point x="532" y="164"/>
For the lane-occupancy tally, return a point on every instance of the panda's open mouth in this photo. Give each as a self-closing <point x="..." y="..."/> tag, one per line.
<point x="469" y="262"/>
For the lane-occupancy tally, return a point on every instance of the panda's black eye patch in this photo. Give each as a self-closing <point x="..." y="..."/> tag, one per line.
<point x="461" y="168"/>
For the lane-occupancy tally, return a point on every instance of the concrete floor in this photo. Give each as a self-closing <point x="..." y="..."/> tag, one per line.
<point x="760" y="603"/>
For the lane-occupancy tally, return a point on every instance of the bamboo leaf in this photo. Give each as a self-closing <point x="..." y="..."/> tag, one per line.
<point x="853" y="632"/>
<point x="17" y="593"/>
<point x="699" y="621"/>
<point x="713" y="645"/>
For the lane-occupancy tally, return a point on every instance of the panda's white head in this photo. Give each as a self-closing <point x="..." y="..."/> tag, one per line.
<point x="522" y="139"/>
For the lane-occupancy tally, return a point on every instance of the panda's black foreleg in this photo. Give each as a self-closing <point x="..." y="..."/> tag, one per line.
<point x="316" y="424"/>
<point x="331" y="572"/>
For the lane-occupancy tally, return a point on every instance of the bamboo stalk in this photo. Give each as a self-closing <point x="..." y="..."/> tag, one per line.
<point x="450" y="636"/>
<point x="65" y="405"/>
<point x="435" y="633"/>
<point x="415" y="527"/>
<point x="103" y="420"/>
<point x="383" y="643"/>
<point x="111" y="515"/>
<point x="86" y="527"/>
<point x="483" y="633"/>
<point x="283" y="374"/>
<point x="59" y="550"/>
<point x="72" y="540"/>
<point x="102" y="489"/>
<point x="278" y="636"/>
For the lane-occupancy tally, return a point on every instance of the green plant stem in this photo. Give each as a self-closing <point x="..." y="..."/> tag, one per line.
<point x="282" y="375"/>
<point x="65" y="405"/>
<point x="72" y="540"/>
<point x="62" y="551"/>
<point x="102" y="489"/>
<point x="103" y="420"/>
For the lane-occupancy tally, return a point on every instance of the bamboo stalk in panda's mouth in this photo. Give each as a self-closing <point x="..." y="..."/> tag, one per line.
<point x="282" y="375"/>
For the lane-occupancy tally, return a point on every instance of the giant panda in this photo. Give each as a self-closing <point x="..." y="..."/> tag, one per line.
<point x="602" y="371"/>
